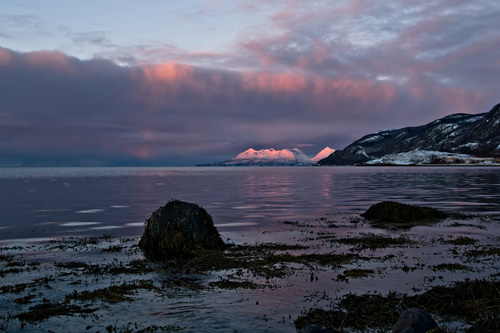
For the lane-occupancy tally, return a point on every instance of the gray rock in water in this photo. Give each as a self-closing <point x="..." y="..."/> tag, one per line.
<point x="414" y="321"/>
<point x="180" y="228"/>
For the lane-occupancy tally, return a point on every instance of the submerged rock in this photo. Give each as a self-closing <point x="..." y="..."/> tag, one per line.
<point x="180" y="228"/>
<point x="405" y="215"/>
<point x="414" y="321"/>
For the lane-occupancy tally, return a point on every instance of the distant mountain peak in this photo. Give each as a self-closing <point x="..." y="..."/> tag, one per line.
<point x="274" y="157"/>
<point x="273" y="154"/>
<point x="327" y="151"/>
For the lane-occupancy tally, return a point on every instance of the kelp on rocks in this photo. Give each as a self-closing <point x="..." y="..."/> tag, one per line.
<point x="477" y="302"/>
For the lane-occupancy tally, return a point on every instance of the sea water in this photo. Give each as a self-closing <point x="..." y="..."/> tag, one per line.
<point x="58" y="202"/>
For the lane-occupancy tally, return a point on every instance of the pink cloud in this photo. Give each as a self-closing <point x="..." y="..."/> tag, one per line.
<point x="52" y="59"/>
<point x="5" y="57"/>
<point x="166" y="83"/>
<point x="168" y="72"/>
<point x="273" y="82"/>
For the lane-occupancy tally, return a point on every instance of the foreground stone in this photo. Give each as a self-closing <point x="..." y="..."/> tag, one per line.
<point x="414" y="321"/>
<point x="180" y="228"/>
<point x="395" y="212"/>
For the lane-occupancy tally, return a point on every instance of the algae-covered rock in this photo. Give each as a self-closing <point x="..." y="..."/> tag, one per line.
<point x="390" y="214"/>
<point x="414" y="321"/>
<point x="180" y="228"/>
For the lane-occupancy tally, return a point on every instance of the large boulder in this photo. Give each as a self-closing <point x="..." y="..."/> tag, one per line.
<point x="414" y="321"/>
<point x="180" y="228"/>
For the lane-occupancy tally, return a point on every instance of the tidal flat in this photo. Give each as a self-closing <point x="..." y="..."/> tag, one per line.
<point x="338" y="271"/>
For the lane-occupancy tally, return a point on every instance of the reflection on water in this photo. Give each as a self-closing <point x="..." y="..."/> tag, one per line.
<point x="45" y="202"/>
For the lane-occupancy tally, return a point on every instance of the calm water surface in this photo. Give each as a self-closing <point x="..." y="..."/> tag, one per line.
<point x="55" y="202"/>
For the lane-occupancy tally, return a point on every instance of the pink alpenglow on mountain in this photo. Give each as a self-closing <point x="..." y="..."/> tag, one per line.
<point x="327" y="151"/>
<point x="290" y="155"/>
<point x="273" y="157"/>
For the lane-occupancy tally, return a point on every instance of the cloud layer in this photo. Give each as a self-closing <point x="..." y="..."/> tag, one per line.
<point x="321" y="74"/>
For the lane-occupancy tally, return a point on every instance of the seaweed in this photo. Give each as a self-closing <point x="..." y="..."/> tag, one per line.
<point x="262" y="260"/>
<point x="113" y="248"/>
<point x="355" y="312"/>
<point x="46" y="310"/>
<point x="112" y="294"/>
<point x="231" y="284"/>
<point x="24" y="300"/>
<point x="4" y="257"/>
<point x="14" y="289"/>
<point x="468" y="225"/>
<point x="476" y="302"/>
<point x="182" y="282"/>
<point x="461" y="240"/>
<point x="470" y="300"/>
<point x="355" y="273"/>
<point x="451" y="267"/>
<point x="373" y="241"/>
<point x="137" y="266"/>
<point x="134" y="327"/>
<point x="487" y="251"/>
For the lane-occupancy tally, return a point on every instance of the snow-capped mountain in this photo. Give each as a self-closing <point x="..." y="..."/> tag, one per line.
<point x="476" y="135"/>
<point x="327" y="151"/>
<point x="273" y="157"/>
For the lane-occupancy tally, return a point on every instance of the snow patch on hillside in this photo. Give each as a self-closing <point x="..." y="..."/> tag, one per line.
<point x="373" y="138"/>
<point x="421" y="157"/>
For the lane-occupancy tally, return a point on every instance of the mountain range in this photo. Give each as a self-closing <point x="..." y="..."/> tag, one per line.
<point x="453" y="139"/>
<point x="273" y="157"/>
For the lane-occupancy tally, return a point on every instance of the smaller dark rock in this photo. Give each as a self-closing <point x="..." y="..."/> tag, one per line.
<point x="390" y="211"/>
<point x="414" y="321"/>
<point x="180" y="228"/>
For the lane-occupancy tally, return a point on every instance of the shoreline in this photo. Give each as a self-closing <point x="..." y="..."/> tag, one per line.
<point x="276" y="276"/>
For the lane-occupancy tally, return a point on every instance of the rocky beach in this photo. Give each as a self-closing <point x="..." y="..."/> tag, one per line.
<point x="340" y="272"/>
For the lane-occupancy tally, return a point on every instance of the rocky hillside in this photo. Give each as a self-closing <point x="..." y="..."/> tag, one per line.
<point x="476" y="135"/>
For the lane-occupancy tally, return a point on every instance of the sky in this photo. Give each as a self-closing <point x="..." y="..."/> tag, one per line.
<point x="158" y="82"/>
